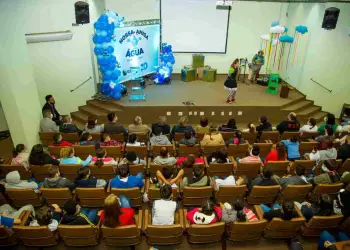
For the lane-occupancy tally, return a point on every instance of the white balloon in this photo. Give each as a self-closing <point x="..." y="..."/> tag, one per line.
<point x="277" y="29"/>
<point x="265" y="37"/>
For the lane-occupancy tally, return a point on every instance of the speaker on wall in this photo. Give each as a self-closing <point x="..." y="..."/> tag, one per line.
<point x="330" y="18"/>
<point x="82" y="12"/>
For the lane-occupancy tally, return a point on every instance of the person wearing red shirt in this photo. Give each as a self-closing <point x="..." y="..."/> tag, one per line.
<point x="180" y="160"/>
<point x="58" y="141"/>
<point x="207" y="214"/>
<point x="117" y="212"/>
<point x="106" y="141"/>
<point x="279" y="154"/>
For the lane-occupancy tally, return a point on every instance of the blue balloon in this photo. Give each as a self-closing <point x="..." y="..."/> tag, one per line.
<point x="286" y="39"/>
<point x="116" y="95"/>
<point x="275" y="23"/>
<point x="105" y="89"/>
<point x="103" y="33"/>
<point x="110" y="49"/>
<point x="103" y="18"/>
<point x="285" y="29"/>
<point x="108" y="73"/>
<point x="301" y="29"/>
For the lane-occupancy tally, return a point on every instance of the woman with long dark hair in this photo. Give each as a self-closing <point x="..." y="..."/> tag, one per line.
<point x="279" y="154"/>
<point x="39" y="157"/>
<point x="231" y="82"/>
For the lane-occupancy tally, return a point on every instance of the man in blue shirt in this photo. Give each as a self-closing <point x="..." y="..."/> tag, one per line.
<point x="126" y="180"/>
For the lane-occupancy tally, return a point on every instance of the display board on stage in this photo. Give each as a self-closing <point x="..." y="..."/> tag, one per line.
<point x="136" y="48"/>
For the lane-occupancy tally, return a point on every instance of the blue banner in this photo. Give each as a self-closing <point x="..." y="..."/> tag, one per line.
<point x="137" y="50"/>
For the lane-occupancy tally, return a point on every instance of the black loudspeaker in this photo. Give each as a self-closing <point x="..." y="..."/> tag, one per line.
<point x="82" y="12"/>
<point x="330" y="18"/>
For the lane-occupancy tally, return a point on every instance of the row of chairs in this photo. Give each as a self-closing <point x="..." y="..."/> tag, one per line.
<point x="124" y="236"/>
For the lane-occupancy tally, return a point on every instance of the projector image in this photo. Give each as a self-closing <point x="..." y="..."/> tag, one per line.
<point x="224" y="5"/>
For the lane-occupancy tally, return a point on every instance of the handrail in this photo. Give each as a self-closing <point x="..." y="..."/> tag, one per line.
<point x="80" y="84"/>
<point x="330" y="91"/>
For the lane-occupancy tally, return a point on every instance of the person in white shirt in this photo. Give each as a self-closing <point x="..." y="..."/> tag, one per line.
<point x="230" y="181"/>
<point x="133" y="141"/>
<point x="310" y="126"/>
<point x="163" y="211"/>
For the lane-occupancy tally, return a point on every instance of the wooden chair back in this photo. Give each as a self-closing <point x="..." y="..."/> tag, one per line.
<point x="208" y="149"/>
<point x="295" y="192"/>
<point x="243" y="231"/>
<point x="91" y="197"/>
<point x="153" y="168"/>
<point x="288" y="134"/>
<point x="24" y="196"/>
<point x="269" y="136"/>
<point x="240" y="150"/>
<point x="251" y="169"/>
<point x="96" y="136"/>
<point x="134" y="194"/>
<point x="306" y="147"/>
<point x="220" y="169"/>
<point x="230" y="193"/>
<point x="154" y="193"/>
<point x="40" y="172"/>
<point x="117" y="137"/>
<point x="6" y="168"/>
<point x="79" y="236"/>
<point x="307" y="164"/>
<point x="228" y="135"/>
<point x="157" y="148"/>
<point x="46" y="138"/>
<point x="345" y="167"/>
<point x="71" y="137"/>
<point x="317" y="224"/>
<point x="263" y="194"/>
<point x="200" y="136"/>
<point x="84" y="151"/>
<point x="8" y="239"/>
<point x="278" y="168"/>
<point x="114" y="151"/>
<point x="179" y="136"/>
<point x="55" y="151"/>
<point x="265" y="148"/>
<point x="105" y="172"/>
<point x="140" y="151"/>
<point x="187" y="150"/>
<point x="56" y="195"/>
<point x="305" y="136"/>
<point x="330" y="189"/>
<point x="195" y="196"/>
<point x="137" y="168"/>
<point x="250" y="137"/>
<point x="39" y="236"/>
<point x="69" y="171"/>
<point x="188" y="171"/>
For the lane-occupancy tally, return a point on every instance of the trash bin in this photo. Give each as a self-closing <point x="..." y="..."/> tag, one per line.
<point x="284" y="91"/>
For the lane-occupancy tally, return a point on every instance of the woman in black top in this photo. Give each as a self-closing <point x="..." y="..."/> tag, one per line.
<point x="265" y="125"/>
<point x="39" y="157"/>
<point x="231" y="83"/>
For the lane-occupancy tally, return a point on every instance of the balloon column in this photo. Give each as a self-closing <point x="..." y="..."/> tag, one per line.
<point x="299" y="30"/>
<point x="108" y="65"/>
<point x="165" y="69"/>
<point x="283" y="40"/>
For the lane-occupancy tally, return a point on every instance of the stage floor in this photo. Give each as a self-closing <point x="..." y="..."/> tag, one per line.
<point x="207" y="94"/>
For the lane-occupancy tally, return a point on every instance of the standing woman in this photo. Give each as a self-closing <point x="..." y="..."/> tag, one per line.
<point x="231" y="83"/>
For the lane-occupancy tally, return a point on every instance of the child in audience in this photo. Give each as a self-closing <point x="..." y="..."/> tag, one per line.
<point x="133" y="140"/>
<point x="58" y="141"/>
<point x="229" y="127"/>
<point x="101" y="158"/>
<point x="292" y="146"/>
<point x="189" y="140"/>
<point x="132" y="159"/>
<point x="92" y="126"/>
<point x="207" y="214"/>
<point x="67" y="157"/>
<point x="250" y="128"/>
<point x="55" y="180"/>
<point x="230" y="181"/>
<point x="203" y="127"/>
<point x="236" y="212"/>
<point x="74" y="215"/>
<point x="279" y="154"/>
<point x="237" y="139"/>
<point x="219" y="156"/>
<point x="13" y="180"/>
<point x="324" y="207"/>
<point x="47" y="216"/>
<point x="164" y="158"/>
<point x="20" y="156"/>
<point x="163" y="210"/>
<point x="117" y="212"/>
<point x="107" y="141"/>
<point x="125" y="179"/>
<point x="213" y="138"/>
<point x="39" y="157"/>
<point x="86" y="139"/>
<point x="310" y="126"/>
<point x="287" y="212"/>
<point x="199" y="179"/>
<point x="159" y="138"/>
<point x="254" y="156"/>
<point x="85" y="180"/>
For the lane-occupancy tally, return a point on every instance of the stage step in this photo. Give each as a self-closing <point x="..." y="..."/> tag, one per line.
<point x="297" y="107"/>
<point x="79" y="117"/>
<point x="310" y="111"/>
<point x="109" y="106"/>
<point x="319" y="116"/>
<point x="91" y="110"/>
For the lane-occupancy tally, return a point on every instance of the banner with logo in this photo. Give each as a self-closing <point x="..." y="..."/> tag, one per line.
<point x="136" y="49"/>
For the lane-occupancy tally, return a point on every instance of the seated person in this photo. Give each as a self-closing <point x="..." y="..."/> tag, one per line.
<point x="132" y="159"/>
<point x="182" y="127"/>
<point x="199" y="179"/>
<point x="298" y="178"/>
<point x="85" y="180"/>
<point x="107" y="141"/>
<point x="191" y="158"/>
<point x="230" y="181"/>
<point x="74" y="215"/>
<point x="56" y="181"/>
<point x="86" y="139"/>
<point x="164" y="158"/>
<point x="117" y="212"/>
<point x="344" y="152"/>
<point x="329" y="120"/>
<point x="324" y="207"/>
<point x="292" y="124"/>
<point x="327" y="241"/>
<point x="92" y="127"/>
<point x="265" y="125"/>
<point x="229" y="127"/>
<point x="213" y="138"/>
<point x="101" y="158"/>
<point x="189" y="139"/>
<point x="47" y="216"/>
<point x="328" y="135"/>
<point x="163" y="210"/>
<point x="279" y="154"/>
<point x="254" y="156"/>
<point x="125" y="179"/>
<point x="67" y="157"/>
<point x="9" y="215"/>
<point x="13" y="180"/>
<point x="68" y="126"/>
<point x="47" y="124"/>
<point x="236" y="212"/>
<point x="161" y="124"/>
<point x="287" y="212"/>
<point x="203" y="127"/>
<point x="219" y="156"/>
<point x="20" y="156"/>
<point x="329" y="177"/>
<point x="237" y="139"/>
<point x="207" y="214"/>
<point x="159" y="138"/>
<point x="342" y="202"/>
<point x="138" y="127"/>
<point x="309" y="127"/>
<point x="292" y="146"/>
<point x="322" y="155"/>
<point x="169" y="176"/>
<point x="112" y="126"/>
<point x="40" y="157"/>
<point x="59" y="142"/>
<point x="250" y="128"/>
<point x="265" y="179"/>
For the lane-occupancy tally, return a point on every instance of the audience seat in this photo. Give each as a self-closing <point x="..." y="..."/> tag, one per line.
<point x="288" y="134"/>
<point x="117" y="137"/>
<point x="71" y="137"/>
<point x="200" y="136"/>
<point x="188" y="172"/>
<point x="22" y="196"/>
<point x="195" y="196"/>
<point x="307" y="164"/>
<point x="153" y="168"/>
<point x="91" y="197"/>
<point x="306" y="147"/>
<point x="345" y="225"/>
<point x="251" y="170"/>
<point x="134" y="194"/>
<point x="250" y="137"/>
<point x="228" y="135"/>
<point x="278" y="168"/>
<point x="306" y="136"/>
<point x="6" y="168"/>
<point x="142" y="137"/>
<point x="179" y="136"/>
<point x="164" y="235"/>
<point x="40" y="172"/>
<point x="184" y="150"/>
<point x="345" y="167"/>
<point x="208" y="149"/>
<point x="330" y="189"/>
<point x="154" y="193"/>
<point x="263" y="194"/>
<point x="272" y="136"/>
<point x="114" y="151"/>
<point x="317" y="224"/>
<point x="79" y="236"/>
<point x="46" y="138"/>
<point x="140" y="151"/>
<point x="230" y="193"/>
<point x="55" y="151"/>
<point x="156" y="149"/>
<point x="265" y="148"/>
<point x="96" y="136"/>
<point x="203" y="234"/>
<point x="279" y="228"/>
<point x="137" y="168"/>
<point x="220" y="169"/>
<point x="69" y="171"/>
<point x="56" y="195"/>
<point x="295" y="192"/>
<point x="240" y="150"/>
<point x="84" y="151"/>
<point x="105" y="172"/>
<point x="124" y="236"/>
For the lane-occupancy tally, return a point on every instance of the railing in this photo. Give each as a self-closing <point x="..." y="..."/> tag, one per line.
<point x="81" y="84"/>
<point x="330" y="91"/>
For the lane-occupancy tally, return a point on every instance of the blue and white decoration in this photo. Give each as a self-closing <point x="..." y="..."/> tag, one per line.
<point x="165" y="69"/>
